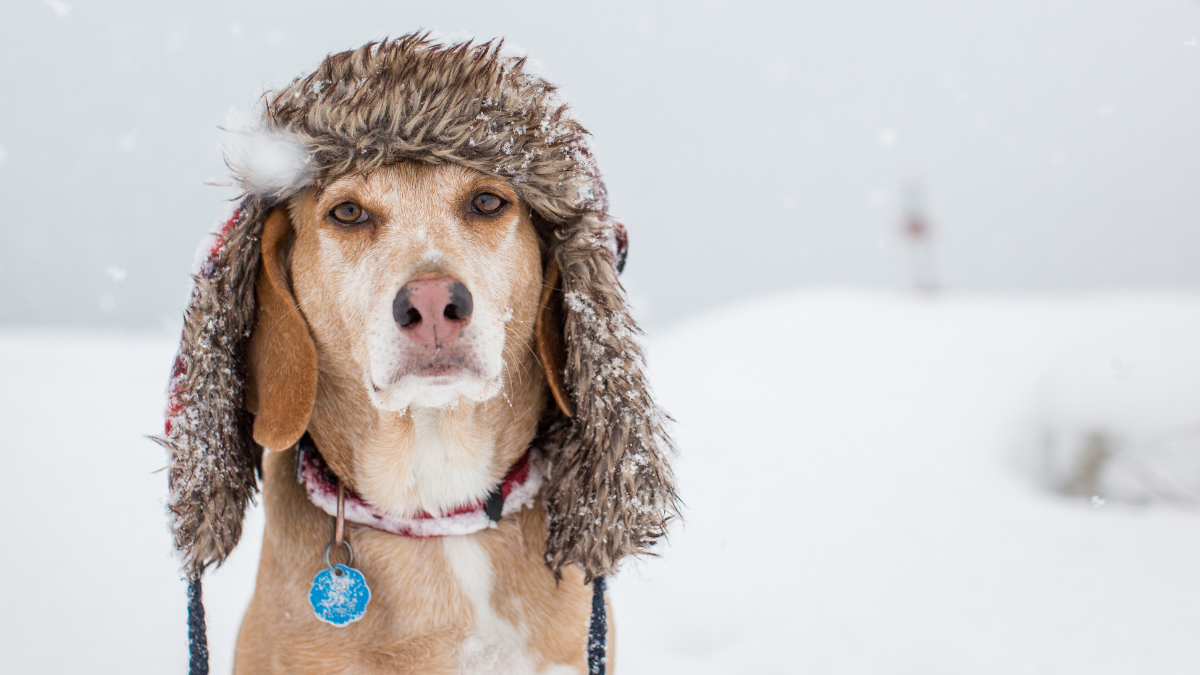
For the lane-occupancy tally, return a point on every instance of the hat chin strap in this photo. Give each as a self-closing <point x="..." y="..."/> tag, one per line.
<point x="197" y="631"/>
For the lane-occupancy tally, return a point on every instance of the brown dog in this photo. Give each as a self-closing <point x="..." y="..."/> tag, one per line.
<point x="478" y="603"/>
<point x="422" y="314"/>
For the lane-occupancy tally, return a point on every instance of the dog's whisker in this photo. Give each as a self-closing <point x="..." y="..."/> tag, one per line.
<point x="527" y="344"/>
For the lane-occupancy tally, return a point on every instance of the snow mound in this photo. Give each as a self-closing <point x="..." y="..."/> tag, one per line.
<point x="1119" y="416"/>
<point x="853" y="506"/>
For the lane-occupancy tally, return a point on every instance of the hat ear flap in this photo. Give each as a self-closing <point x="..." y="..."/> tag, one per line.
<point x="214" y="461"/>
<point x="610" y="491"/>
<point x="548" y="330"/>
<point x="281" y="386"/>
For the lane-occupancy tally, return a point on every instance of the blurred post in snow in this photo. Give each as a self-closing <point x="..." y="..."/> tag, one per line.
<point x="917" y="232"/>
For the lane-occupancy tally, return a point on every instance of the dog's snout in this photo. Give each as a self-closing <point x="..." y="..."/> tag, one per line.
<point x="433" y="311"/>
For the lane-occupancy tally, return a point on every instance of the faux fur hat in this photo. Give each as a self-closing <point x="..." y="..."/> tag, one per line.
<point x="609" y="492"/>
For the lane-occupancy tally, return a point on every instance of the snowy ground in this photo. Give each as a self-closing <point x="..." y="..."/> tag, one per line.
<point x="857" y="500"/>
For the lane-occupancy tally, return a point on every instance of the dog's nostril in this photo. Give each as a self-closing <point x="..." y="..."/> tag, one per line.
<point x="461" y="305"/>
<point x="403" y="310"/>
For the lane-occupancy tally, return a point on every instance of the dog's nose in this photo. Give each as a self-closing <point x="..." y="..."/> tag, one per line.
<point x="433" y="311"/>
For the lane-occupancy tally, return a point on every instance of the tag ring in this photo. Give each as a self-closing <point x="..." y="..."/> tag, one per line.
<point x="329" y="547"/>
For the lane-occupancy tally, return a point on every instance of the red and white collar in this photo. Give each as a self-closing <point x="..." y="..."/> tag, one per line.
<point x="517" y="491"/>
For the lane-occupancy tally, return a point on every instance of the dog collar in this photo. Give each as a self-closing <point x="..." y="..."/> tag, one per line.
<point x="517" y="491"/>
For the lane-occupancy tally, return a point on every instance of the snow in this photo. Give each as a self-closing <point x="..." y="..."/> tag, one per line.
<point x="59" y="7"/>
<point x="857" y="496"/>
<point x="853" y="506"/>
<point x="1119" y="411"/>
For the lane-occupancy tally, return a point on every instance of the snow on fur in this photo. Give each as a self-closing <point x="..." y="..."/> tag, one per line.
<point x="610" y="468"/>
<point x="413" y="98"/>
<point x="213" y="459"/>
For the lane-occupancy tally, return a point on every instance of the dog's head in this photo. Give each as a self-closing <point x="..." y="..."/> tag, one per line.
<point x="418" y="281"/>
<point x="446" y="217"/>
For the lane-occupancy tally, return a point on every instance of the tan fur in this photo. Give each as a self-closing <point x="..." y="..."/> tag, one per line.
<point x="282" y="378"/>
<point x="418" y="616"/>
<point x="421" y="619"/>
<point x="548" y="329"/>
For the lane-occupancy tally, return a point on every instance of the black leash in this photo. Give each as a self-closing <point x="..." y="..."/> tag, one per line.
<point x="197" y="635"/>
<point x="598" y="630"/>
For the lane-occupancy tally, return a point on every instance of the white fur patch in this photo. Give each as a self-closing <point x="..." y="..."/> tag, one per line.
<point x="435" y="475"/>
<point x="496" y="647"/>
<point x="444" y="472"/>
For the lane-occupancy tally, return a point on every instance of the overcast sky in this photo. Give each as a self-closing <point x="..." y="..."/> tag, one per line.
<point x="1054" y="145"/>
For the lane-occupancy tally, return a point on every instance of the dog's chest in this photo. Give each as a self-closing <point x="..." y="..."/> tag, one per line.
<point x="496" y="645"/>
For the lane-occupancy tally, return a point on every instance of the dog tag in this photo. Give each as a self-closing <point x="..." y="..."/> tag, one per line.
<point x="339" y="595"/>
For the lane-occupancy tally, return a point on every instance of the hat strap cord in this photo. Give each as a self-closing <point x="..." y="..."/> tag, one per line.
<point x="597" y="647"/>
<point x="197" y="632"/>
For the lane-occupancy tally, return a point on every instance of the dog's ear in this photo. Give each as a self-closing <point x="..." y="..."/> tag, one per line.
<point x="548" y="329"/>
<point x="610" y="491"/>
<point x="281" y="383"/>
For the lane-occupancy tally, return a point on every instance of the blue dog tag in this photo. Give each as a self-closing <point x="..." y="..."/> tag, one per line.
<point x="339" y="595"/>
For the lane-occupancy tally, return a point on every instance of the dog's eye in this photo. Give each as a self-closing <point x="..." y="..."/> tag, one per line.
<point x="487" y="203"/>
<point x="348" y="213"/>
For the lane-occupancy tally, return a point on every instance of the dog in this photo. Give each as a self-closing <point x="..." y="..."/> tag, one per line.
<point x="431" y="432"/>
<point x="420" y="320"/>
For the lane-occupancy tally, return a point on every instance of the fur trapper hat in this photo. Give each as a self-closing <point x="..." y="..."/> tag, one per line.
<point x="609" y="493"/>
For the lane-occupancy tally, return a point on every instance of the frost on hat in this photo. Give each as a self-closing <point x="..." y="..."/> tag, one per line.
<point x="609" y="492"/>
